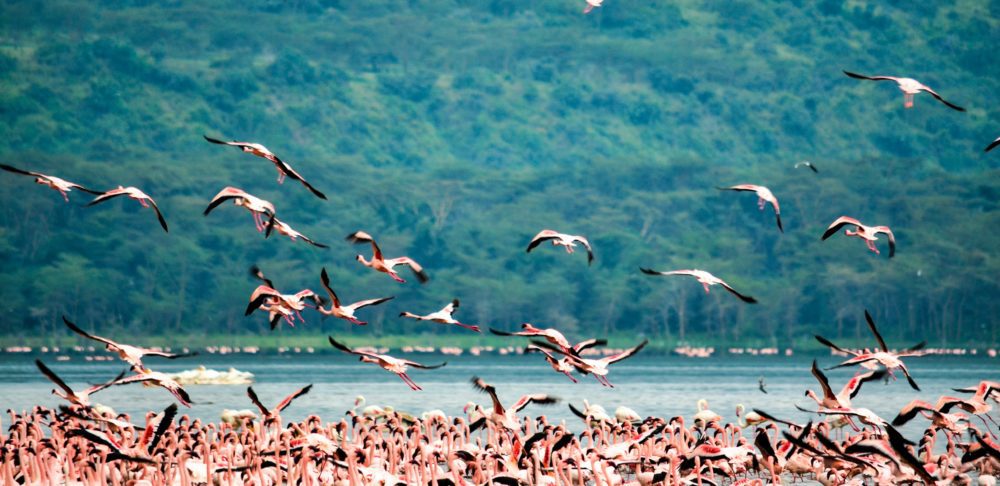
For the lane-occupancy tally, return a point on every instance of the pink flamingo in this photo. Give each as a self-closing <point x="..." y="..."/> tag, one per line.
<point x="764" y="195"/>
<point x="908" y="86"/>
<point x="867" y="233"/>
<point x="379" y="263"/>
<point x="262" y="151"/>
<point x="133" y="193"/>
<point x="61" y="185"/>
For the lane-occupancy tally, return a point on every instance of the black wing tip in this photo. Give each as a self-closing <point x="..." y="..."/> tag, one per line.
<point x="648" y="271"/>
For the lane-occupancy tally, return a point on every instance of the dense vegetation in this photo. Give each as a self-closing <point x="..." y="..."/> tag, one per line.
<point x="454" y="130"/>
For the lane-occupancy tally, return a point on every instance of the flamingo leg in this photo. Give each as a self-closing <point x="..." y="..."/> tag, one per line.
<point x="257" y="222"/>
<point x="396" y="277"/>
<point x="143" y="203"/>
<point x="706" y="287"/>
<point x="65" y="197"/>
<point x="281" y="175"/>
<point x="760" y="204"/>
<point x="908" y="100"/>
<point x="299" y="315"/>
<point x="568" y="375"/>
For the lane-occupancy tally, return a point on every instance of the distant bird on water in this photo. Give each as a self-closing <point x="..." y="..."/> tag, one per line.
<point x="764" y="195"/>
<point x="443" y="316"/>
<point x="61" y="185"/>
<point x="561" y="239"/>
<point x="808" y="164"/>
<point x="761" y="384"/>
<point x="908" y="86"/>
<point x="992" y="145"/>
<point x="262" y="151"/>
<point x="379" y="263"/>
<point x="388" y="363"/>
<point x="133" y="193"/>
<point x="867" y="233"/>
<point x="258" y="207"/>
<point x="705" y="279"/>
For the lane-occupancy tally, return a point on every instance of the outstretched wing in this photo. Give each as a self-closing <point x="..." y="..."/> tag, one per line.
<point x="256" y="401"/>
<point x="837" y="224"/>
<point x="892" y="238"/>
<point x="823" y="382"/>
<point x="366" y="303"/>
<point x="479" y="384"/>
<point x="418" y="271"/>
<point x="871" y="325"/>
<point x="830" y="344"/>
<point x="224" y="195"/>
<point x="325" y="278"/>
<point x="939" y="98"/>
<point x="165" y="420"/>
<point x="586" y="244"/>
<point x="159" y="215"/>
<point x="544" y="235"/>
<point x="744" y="298"/>
<point x="107" y="195"/>
<point x="22" y="172"/>
<point x="83" y="333"/>
<point x="53" y="377"/>
<point x="871" y="78"/>
<point x="540" y="399"/>
<point x="288" y="400"/>
<point x="423" y="366"/>
<point x="992" y="145"/>
<point x="360" y="237"/>
<point x="627" y="354"/>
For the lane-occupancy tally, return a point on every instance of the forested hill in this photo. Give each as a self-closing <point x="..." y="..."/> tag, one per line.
<point x="454" y="130"/>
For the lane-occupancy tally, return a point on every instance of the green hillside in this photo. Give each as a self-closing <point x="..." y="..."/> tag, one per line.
<point x="453" y="131"/>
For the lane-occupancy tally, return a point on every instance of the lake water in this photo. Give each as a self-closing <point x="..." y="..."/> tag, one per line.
<point x="650" y="384"/>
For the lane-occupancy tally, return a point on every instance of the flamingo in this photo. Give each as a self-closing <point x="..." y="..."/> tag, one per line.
<point x="61" y="185"/>
<point x="704" y="415"/>
<point x="705" y="279"/>
<point x="764" y="195"/>
<point x="380" y="264"/>
<point x="908" y="86"/>
<point x="561" y="239"/>
<point x="507" y="417"/>
<point x="151" y="378"/>
<point x="947" y="421"/>
<point x="142" y="451"/>
<point x="989" y="147"/>
<point x="554" y="337"/>
<point x="849" y="391"/>
<point x="347" y="311"/>
<point x="562" y="365"/>
<point x="388" y="363"/>
<point x="82" y="397"/>
<point x="258" y="207"/>
<point x="262" y="151"/>
<point x="591" y="5"/>
<point x="279" y="305"/>
<point x="976" y="405"/>
<point x="272" y="415"/>
<point x="808" y="164"/>
<point x="133" y="193"/>
<point x="867" y="233"/>
<point x="130" y="354"/>
<point x="442" y="316"/>
<point x="883" y="357"/>
<point x="276" y="224"/>
<point x="598" y="367"/>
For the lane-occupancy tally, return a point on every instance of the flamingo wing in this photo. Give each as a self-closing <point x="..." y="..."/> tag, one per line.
<point x="104" y="196"/>
<point x="366" y="303"/>
<point x="744" y="298"/>
<point x="740" y="187"/>
<point x="451" y="307"/>
<point x="221" y="142"/>
<point x="423" y="366"/>
<point x="909" y="379"/>
<point x="288" y="400"/>
<point x="939" y="98"/>
<point x="360" y="237"/>
<point x="586" y="244"/>
<point x="540" y="399"/>
<point x="837" y="224"/>
<point x="898" y="443"/>
<point x="83" y="333"/>
<point x="325" y="279"/>
<point x="892" y="238"/>
<point x="589" y="343"/>
<point x="348" y="350"/>
<point x="481" y="385"/>
<point x="878" y="337"/>
<point x="165" y="420"/>
<point x="223" y="196"/>
<point x="544" y="235"/>
<point x="159" y="215"/>
<point x="96" y="388"/>
<point x="910" y="410"/>
<point x="823" y="382"/>
<point x="256" y="401"/>
<point x="54" y="378"/>
<point x="626" y="354"/>
<point x="290" y="172"/>
<point x="992" y="145"/>
<point x="871" y="78"/>
<point x="257" y="273"/>
<point x="853" y="386"/>
<point x="826" y="342"/>
<point x="418" y="271"/>
<point x="649" y="271"/>
<point x="22" y="172"/>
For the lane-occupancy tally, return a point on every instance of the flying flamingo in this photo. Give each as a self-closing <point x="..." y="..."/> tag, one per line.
<point x="258" y="207"/>
<point x="908" y="86"/>
<point x="151" y="378"/>
<point x="506" y="417"/>
<point x="130" y="354"/>
<point x="705" y="279"/>
<point x="380" y="264"/>
<point x="61" y="185"/>
<point x="554" y="337"/>
<point x="443" y="316"/>
<point x="867" y="233"/>
<point x="591" y="5"/>
<point x="82" y="397"/>
<point x="562" y="365"/>
<point x="989" y="147"/>
<point x="597" y="367"/>
<point x="849" y="391"/>
<point x="272" y="415"/>
<point x="884" y="357"/>
<point x="346" y="311"/>
<point x="388" y="363"/>
<point x="283" y="228"/>
<point x="764" y="195"/>
<point x="561" y="239"/>
<point x="262" y="151"/>
<point x="133" y="193"/>
<point x="279" y="305"/>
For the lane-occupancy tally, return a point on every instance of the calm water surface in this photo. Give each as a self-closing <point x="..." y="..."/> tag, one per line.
<point x="650" y="384"/>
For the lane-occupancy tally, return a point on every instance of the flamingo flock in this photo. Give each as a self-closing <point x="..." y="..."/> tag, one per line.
<point x="86" y="443"/>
